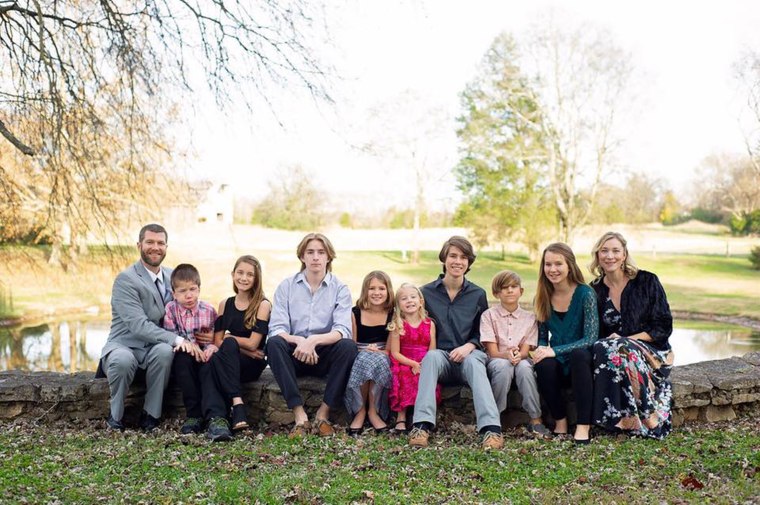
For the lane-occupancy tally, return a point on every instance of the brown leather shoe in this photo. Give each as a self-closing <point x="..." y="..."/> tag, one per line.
<point x="418" y="437"/>
<point x="492" y="440"/>
<point x="324" y="428"/>
<point x="300" y="430"/>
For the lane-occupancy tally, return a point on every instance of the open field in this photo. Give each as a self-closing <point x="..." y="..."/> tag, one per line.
<point x="86" y="464"/>
<point x="709" y="282"/>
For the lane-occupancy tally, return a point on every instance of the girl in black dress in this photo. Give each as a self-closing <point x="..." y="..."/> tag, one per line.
<point x="239" y="333"/>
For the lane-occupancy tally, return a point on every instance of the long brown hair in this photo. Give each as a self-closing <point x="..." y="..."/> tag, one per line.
<point x="629" y="266"/>
<point x="545" y="289"/>
<point x="256" y="293"/>
<point x="363" y="301"/>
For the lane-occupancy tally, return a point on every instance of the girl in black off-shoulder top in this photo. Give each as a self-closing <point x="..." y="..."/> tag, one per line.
<point x="632" y="358"/>
<point x="239" y="333"/>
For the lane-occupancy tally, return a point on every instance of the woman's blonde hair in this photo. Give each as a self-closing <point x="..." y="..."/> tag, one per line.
<point x="629" y="266"/>
<point x="545" y="289"/>
<point x="363" y="301"/>
<point x="397" y="321"/>
<point x="255" y="293"/>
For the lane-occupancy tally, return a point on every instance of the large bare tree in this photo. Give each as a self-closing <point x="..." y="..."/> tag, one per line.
<point x="581" y="79"/>
<point x="87" y="89"/>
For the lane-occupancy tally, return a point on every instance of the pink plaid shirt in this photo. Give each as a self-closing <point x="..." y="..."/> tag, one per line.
<point x="185" y="322"/>
<point x="508" y="329"/>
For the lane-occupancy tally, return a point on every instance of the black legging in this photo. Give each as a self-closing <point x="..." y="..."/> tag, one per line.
<point x="222" y="375"/>
<point x="551" y="380"/>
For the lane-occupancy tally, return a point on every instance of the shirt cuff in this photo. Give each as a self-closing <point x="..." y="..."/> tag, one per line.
<point x="178" y="340"/>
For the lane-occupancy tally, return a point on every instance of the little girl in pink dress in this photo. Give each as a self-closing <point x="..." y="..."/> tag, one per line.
<point x="412" y="336"/>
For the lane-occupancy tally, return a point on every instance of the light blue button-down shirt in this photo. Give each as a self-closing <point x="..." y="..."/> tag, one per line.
<point x="296" y="311"/>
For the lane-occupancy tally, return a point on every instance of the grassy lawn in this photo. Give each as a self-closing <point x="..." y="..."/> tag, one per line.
<point x="85" y="464"/>
<point x="698" y="283"/>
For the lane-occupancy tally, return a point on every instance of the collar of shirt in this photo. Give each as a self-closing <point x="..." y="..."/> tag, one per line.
<point x="189" y="312"/>
<point x="438" y="284"/>
<point x="158" y="276"/>
<point x="519" y="311"/>
<point x="301" y="279"/>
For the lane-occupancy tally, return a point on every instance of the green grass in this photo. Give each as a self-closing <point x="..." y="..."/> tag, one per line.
<point x="92" y="465"/>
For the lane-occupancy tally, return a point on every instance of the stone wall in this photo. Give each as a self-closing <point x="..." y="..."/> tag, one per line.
<point x="708" y="391"/>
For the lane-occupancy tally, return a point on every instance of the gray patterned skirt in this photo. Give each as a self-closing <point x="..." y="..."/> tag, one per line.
<point x="369" y="366"/>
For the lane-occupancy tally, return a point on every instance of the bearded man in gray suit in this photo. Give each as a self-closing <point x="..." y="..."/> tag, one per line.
<point x="137" y="339"/>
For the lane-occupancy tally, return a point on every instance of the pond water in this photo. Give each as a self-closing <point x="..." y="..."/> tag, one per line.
<point x="74" y="344"/>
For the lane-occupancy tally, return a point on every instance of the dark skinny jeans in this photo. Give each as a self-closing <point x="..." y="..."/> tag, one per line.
<point x="551" y="380"/>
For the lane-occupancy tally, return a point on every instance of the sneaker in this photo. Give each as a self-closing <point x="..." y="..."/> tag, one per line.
<point x="113" y="424"/>
<point x="299" y="430"/>
<point x="218" y="430"/>
<point x="419" y="437"/>
<point x="191" y="425"/>
<point x="148" y="423"/>
<point x="239" y="418"/>
<point x="538" y="430"/>
<point x="492" y="440"/>
<point x="324" y="428"/>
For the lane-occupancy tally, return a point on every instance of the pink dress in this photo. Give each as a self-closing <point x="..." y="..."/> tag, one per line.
<point x="413" y="344"/>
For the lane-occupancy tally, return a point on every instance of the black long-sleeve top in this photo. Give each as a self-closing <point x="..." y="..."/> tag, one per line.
<point x="643" y="308"/>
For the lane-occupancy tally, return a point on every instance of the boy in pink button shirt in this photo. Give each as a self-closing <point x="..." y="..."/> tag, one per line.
<point x="508" y="332"/>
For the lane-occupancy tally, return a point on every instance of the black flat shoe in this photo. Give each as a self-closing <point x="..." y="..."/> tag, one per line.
<point x="582" y="441"/>
<point x="354" y="432"/>
<point x="239" y="418"/>
<point x="384" y="429"/>
<point x="401" y="430"/>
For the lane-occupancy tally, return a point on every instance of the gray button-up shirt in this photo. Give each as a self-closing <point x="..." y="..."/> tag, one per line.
<point x="457" y="322"/>
<point x="296" y="311"/>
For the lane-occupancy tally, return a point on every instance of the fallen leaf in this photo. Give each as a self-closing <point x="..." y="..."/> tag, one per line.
<point x="692" y="483"/>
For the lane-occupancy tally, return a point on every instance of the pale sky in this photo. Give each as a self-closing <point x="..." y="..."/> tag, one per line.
<point x="683" y="52"/>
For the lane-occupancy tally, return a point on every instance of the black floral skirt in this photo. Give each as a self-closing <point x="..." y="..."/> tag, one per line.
<point x="632" y="390"/>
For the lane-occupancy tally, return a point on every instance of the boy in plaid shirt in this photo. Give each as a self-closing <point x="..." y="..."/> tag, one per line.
<point x="193" y="320"/>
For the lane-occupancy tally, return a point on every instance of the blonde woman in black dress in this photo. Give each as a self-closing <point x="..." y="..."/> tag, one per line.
<point x="632" y="358"/>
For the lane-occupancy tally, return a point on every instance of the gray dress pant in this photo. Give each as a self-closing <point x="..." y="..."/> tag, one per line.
<point x="120" y="366"/>
<point x="436" y="367"/>
<point x="501" y="372"/>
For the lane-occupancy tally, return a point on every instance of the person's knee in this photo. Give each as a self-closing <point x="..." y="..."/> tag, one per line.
<point x="346" y="347"/>
<point x="121" y="364"/>
<point x="581" y="356"/>
<point x="545" y="366"/>
<point x="162" y="354"/>
<point x="474" y="361"/>
<point x="523" y="368"/>
<point x="230" y="345"/>
<point x="182" y="358"/>
<point x="434" y="359"/>
<point x="276" y="344"/>
<point x="497" y="366"/>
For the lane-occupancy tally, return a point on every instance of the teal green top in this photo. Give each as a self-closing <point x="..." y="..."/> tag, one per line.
<point x="578" y="329"/>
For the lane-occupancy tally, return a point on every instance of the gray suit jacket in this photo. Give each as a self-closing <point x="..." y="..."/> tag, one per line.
<point x="137" y="312"/>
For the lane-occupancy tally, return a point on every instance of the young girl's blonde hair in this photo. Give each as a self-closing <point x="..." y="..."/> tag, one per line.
<point x="397" y="322"/>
